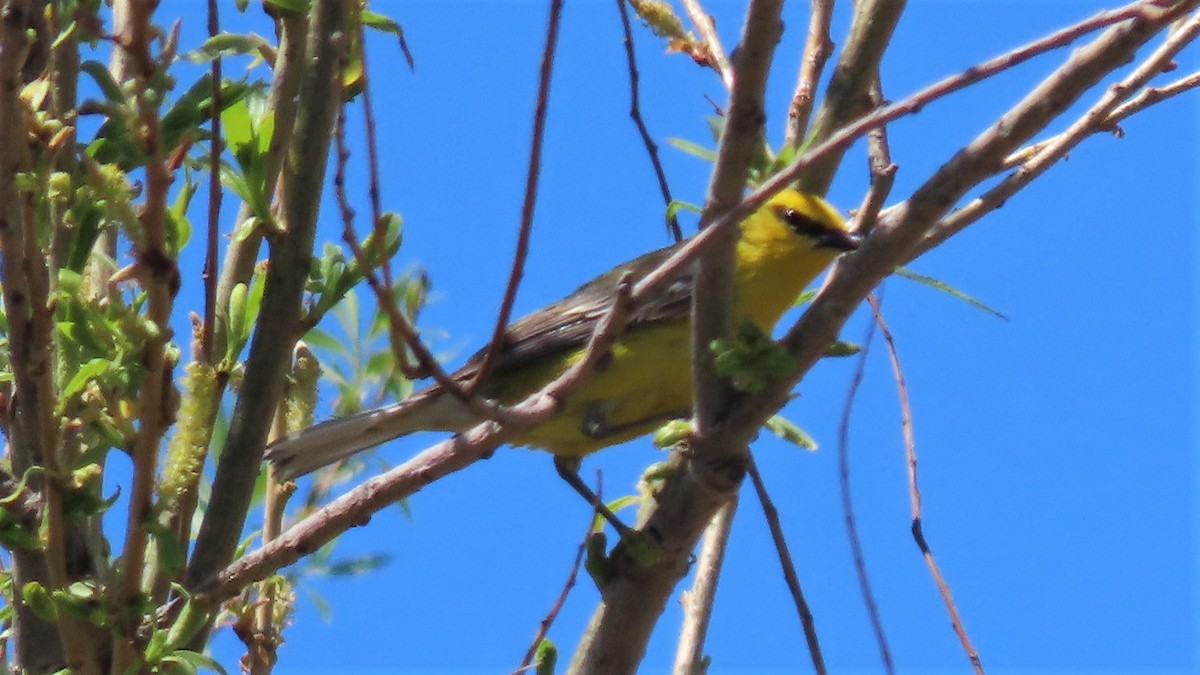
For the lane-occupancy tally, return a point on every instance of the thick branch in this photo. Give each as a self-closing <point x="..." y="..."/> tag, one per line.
<point x="846" y="97"/>
<point x="279" y="320"/>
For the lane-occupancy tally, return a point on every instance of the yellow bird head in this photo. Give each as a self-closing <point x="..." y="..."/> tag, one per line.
<point x="783" y="247"/>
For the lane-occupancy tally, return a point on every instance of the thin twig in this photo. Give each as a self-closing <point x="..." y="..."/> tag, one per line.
<point x="712" y="42"/>
<point x="910" y="105"/>
<point x="698" y="602"/>
<point x="373" y="191"/>
<point x="279" y="316"/>
<point x="789" y="568"/>
<point x="548" y="620"/>
<point x="910" y="452"/>
<point x="883" y="171"/>
<point x="403" y="334"/>
<point x="817" y="49"/>
<point x="635" y="112"/>
<point x="215" y="192"/>
<point x="1097" y="118"/>
<point x="856" y="548"/>
<point x="871" y="30"/>
<point x="159" y="275"/>
<point x="531" y="187"/>
<point x="1146" y="98"/>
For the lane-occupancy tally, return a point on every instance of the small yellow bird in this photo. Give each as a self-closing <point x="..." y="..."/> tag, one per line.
<point x="646" y="381"/>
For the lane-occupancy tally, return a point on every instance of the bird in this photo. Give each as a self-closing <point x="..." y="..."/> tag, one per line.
<point x="645" y="380"/>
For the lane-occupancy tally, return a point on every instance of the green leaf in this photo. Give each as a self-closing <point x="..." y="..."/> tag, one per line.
<point x="387" y="25"/>
<point x="676" y="206"/>
<point x="546" y="657"/>
<point x="805" y="297"/>
<point x="170" y="552"/>
<point x="694" y="149"/>
<point x="38" y="599"/>
<point x="104" y="80"/>
<point x="228" y="44"/>
<point x="89" y="371"/>
<point x="790" y="432"/>
<point x="188" y="659"/>
<point x="290" y="5"/>
<point x="948" y="289"/>
<point x="841" y="348"/>
<point x="194" y="107"/>
<point x="750" y="359"/>
<point x="322" y="340"/>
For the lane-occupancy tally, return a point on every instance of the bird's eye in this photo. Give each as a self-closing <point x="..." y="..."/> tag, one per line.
<point x="800" y="223"/>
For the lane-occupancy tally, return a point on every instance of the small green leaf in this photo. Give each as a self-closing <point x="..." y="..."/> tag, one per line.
<point x="300" y="6"/>
<point x="170" y="552"/>
<point x="840" y="348"/>
<point x="948" y="289"/>
<point x="694" y="149"/>
<point x="228" y="44"/>
<point x="546" y="657"/>
<point x="104" y="80"/>
<point x="38" y="599"/>
<point x="751" y="359"/>
<point x="790" y="432"/>
<point x="672" y="433"/>
<point x="193" y="661"/>
<point x="388" y="25"/>
<point x="87" y="372"/>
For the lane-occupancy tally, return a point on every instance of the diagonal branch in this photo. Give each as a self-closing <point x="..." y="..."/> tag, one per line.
<point x="531" y="187"/>
<point x="279" y="318"/>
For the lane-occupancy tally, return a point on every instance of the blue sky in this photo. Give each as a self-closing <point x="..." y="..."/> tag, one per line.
<point x="1057" y="448"/>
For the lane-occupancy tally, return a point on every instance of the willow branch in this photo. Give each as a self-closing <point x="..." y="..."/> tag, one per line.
<point x="1098" y="118"/>
<point x="698" y="602"/>
<point x="635" y="113"/>
<point x="848" y="516"/>
<point x="846" y="96"/>
<point x="616" y="637"/>
<point x="356" y="507"/>
<point x="532" y="175"/>
<point x="696" y="487"/>
<point x="279" y="318"/>
<point x="817" y="49"/>
<point x="790" y="578"/>
<point x="910" y="453"/>
<point x="712" y="42"/>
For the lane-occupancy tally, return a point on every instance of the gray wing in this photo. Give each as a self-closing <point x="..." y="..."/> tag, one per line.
<point x="567" y="324"/>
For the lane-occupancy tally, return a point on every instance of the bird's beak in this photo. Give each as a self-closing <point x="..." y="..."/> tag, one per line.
<point x="839" y="240"/>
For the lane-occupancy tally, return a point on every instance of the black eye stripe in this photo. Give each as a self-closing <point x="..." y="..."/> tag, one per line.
<point x="799" y="222"/>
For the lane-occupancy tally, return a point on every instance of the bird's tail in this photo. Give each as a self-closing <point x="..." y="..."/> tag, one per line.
<point x="323" y="444"/>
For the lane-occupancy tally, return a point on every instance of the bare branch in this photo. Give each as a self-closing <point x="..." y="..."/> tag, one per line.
<point x="544" y="625"/>
<point x="856" y="548"/>
<point x="740" y="140"/>
<point x="617" y="634"/>
<point x="635" y="112"/>
<point x="209" y="274"/>
<point x="817" y="49"/>
<point x="696" y="487"/>
<point x="712" y="42"/>
<point x="698" y="602"/>
<point x="789" y="569"/>
<point x="271" y="348"/>
<point x="356" y="507"/>
<point x="910" y="452"/>
<point x="1098" y="118"/>
<point x="531" y="188"/>
<point x="846" y="97"/>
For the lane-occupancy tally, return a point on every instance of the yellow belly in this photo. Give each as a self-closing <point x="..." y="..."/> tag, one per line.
<point x="646" y="382"/>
